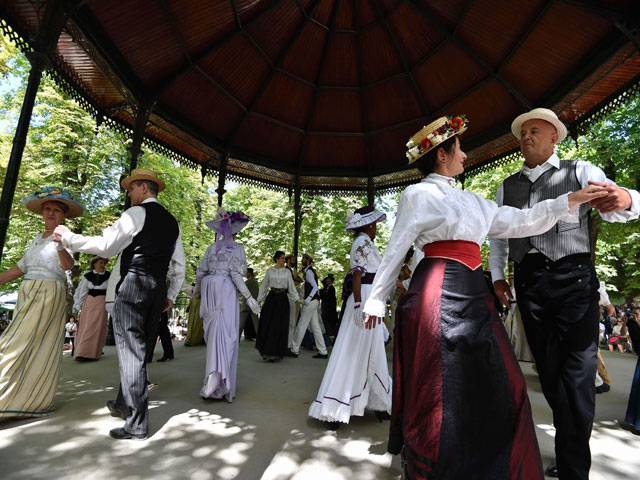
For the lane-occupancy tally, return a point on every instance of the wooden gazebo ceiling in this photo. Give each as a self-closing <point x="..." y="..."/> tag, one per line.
<point x="328" y="91"/>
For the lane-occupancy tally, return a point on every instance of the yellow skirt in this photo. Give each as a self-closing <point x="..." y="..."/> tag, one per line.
<point x="195" y="329"/>
<point x="31" y="350"/>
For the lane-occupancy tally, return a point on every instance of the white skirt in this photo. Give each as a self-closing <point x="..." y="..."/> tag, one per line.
<point x="357" y="375"/>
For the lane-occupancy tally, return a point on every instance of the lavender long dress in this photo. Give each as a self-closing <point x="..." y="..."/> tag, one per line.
<point x="219" y="278"/>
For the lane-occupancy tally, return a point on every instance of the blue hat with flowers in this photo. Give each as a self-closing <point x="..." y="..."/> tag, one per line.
<point x="36" y="200"/>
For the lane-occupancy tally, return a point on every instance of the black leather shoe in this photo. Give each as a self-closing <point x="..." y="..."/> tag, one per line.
<point x="629" y="427"/>
<point x="291" y="353"/>
<point x="604" y="388"/>
<point x="122" y="434"/>
<point x="320" y="355"/>
<point x="552" y="472"/>
<point x="164" y="359"/>
<point x="115" y="410"/>
<point x="382" y="416"/>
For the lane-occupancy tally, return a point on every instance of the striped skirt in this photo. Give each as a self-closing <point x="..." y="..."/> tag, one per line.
<point x="31" y="350"/>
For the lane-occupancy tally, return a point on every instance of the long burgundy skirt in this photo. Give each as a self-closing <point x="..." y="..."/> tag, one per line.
<point x="460" y="406"/>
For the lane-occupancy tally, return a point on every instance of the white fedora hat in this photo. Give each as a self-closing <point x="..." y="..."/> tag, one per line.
<point x="539" y="114"/>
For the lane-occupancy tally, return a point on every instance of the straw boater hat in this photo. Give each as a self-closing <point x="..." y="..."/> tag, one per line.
<point x="434" y="134"/>
<point x="36" y="200"/>
<point x="539" y="114"/>
<point x="142" y="174"/>
<point x="364" y="216"/>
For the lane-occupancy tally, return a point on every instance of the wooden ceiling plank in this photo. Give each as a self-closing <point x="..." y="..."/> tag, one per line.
<point x="323" y="59"/>
<point x="405" y="65"/>
<point x="167" y="81"/>
<point x="265" y="83"/>
<point x="429" y="15"/>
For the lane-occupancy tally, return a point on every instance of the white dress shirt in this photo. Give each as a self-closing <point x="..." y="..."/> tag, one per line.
<point x="117" y="237"/>
<point x="435" y="210"/>
<point x="585" y="172"/>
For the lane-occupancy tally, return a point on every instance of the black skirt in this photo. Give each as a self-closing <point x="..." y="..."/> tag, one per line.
<point x="273" y="328"/>
<point x="460" y="406"/>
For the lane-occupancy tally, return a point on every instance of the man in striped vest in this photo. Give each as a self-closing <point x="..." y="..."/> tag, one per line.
<point x="147" y="237"/>
<point x="555" y="281"/>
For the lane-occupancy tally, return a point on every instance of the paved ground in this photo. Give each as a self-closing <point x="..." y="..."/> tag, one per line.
<point x="265" y="434"/>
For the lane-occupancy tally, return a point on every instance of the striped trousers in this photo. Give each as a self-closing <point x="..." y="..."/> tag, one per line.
<point x="136" y="313"/>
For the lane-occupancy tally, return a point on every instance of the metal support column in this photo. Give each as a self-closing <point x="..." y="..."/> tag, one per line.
<point x="297" y="208"/>
<point x="55" y="17"/>
<point x="371" y="192"/>
<point x="222" y="178"/>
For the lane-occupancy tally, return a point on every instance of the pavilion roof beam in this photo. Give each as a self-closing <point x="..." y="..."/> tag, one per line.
<point x="363" y="117"/>
<point x="323" y="58"/>
<point x="428" y="13"/>
<point x="405" y="65"/>
<point x="167" y="81"/>
<point x="265" y="83"/>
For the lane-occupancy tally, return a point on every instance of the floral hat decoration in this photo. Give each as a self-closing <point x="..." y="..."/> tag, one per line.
<point x="434" y="134"/>
<point x="36" y="200"/>
<point x="227" y="224"/>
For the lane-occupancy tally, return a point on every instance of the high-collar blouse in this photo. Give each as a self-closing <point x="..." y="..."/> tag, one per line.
<point x="229" y="260"/>
<point x="436" y="210"/>
<point x="41" y="261"/>
<point x="280" y="278"/>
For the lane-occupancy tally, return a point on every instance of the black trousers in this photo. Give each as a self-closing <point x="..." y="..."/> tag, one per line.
<point x="136" y="312"/>
<point x="165" y="338"/>
<point x="558" y="302"/>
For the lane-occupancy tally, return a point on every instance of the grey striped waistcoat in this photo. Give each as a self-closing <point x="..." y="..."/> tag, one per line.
<point x="564" y="238"/>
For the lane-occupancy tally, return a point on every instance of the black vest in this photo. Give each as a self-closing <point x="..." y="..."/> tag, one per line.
<point x="564" y="238"/>
<point x="151" y="250"/>
<point x="308" y="287"/>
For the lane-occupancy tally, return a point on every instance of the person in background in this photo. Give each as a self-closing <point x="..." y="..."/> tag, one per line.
<point x="248" y="319"/>
<point x="89" y="300"/>
<point x="631" y="420"/>
<point x="70" y="329"/>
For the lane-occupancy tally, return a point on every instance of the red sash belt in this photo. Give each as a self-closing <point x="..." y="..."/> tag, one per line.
<point x="461" y="251"/>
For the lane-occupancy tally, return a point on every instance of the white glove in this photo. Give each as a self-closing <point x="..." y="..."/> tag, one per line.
<point x="253" y="305"/>
<point x="358" y="315"/>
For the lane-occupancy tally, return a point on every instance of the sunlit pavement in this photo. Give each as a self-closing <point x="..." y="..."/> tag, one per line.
<point x="265" y="434"/>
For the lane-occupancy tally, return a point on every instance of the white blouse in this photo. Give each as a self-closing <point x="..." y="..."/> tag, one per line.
<point x="41" y="261"/>
<point x="364" y="255"/>
<point x="277" y="278"/>
<point x="83" y="289"/>
<point x="231" y="260"/>
<point x="435" y="210"/>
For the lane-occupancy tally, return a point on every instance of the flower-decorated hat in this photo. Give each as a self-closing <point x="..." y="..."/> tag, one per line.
<point x="539" y="114"/>
<point x="227" y="224"/>
<point x="142" y="174"/>
<point x="364" y="216"/>
<point x="434" y="134"/>
<point x="36" y="200"/>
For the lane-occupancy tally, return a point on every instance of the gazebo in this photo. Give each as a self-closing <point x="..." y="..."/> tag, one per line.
<point x="321" y="95"/>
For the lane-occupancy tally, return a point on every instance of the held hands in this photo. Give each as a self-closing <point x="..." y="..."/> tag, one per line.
<point x="503" y="292"/>
<point x="587" y="194"/>
<point x="616" y="199"/>
<point x="58" y="232"/>
<point x="358" y="318"/>
<point x="253" y="305"/>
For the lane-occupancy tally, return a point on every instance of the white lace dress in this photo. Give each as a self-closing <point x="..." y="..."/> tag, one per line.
<point x="357" y="375"/>
<point x="219" y="279"/>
